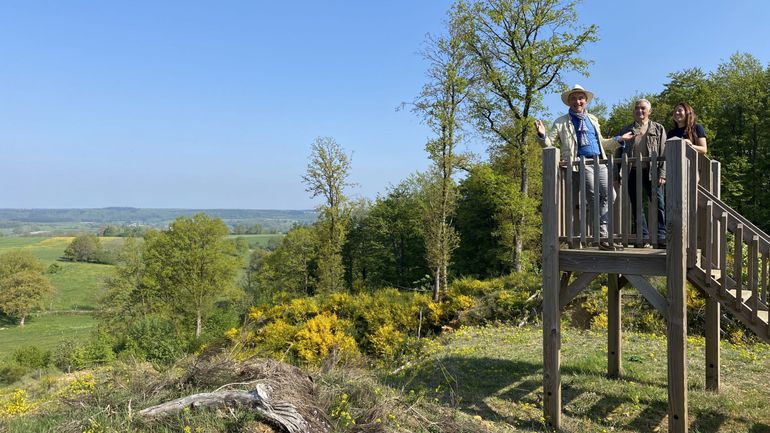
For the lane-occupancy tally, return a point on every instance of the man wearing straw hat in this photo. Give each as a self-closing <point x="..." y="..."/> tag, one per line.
<point x="578" y="134"/>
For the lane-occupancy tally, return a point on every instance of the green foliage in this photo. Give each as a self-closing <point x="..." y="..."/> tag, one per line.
<point x="66" y="356"/>
<point x="385" y="245"/>
<point x="84" y="248"/>
<point x="327" y="176"/>
<point x="32" y="357"/>
<point x="519" y="50"/>
<point x="190" y="266"/>
<point x="155" y="339"/>
<point x="11" y="373"/>
<point x="23" y="287"/>
<point x="491" y="219"/>
<point x="290" y="268"/>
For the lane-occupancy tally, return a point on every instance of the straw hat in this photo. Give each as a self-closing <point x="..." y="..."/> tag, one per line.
<point x="575" y="89"/>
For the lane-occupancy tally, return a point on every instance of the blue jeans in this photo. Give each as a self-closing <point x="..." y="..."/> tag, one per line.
<point x="604" y="191"/>
<point x="647" y="188"/>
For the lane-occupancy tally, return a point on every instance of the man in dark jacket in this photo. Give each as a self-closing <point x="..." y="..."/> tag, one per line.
<point x="649" y="138"/>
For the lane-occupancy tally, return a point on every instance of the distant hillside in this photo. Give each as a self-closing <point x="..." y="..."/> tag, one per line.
<point x="24" y="221"/>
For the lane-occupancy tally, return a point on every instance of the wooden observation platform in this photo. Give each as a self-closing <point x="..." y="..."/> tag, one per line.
<point x="707" y="243"/>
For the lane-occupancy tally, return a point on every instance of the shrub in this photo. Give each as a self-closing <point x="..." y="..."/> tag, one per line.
<point x="276" y="338"/>
<point x="155" y="340"/>
<point x="321" y="335"/>
<point x="387" y="342"/>
<point x="67" y="356"/>
<point x="10" y="373"/>
<point x="32" y="357"/>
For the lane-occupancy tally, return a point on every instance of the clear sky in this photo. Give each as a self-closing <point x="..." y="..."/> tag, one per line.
<point x="203" y="104"/>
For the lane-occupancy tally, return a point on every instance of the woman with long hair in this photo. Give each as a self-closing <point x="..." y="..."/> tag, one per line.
<point x="687" y="129"/>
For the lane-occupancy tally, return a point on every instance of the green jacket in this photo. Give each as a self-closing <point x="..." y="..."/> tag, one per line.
<point x="563" y="134"/>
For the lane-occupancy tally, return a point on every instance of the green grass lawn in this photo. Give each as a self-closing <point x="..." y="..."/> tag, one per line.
<point x="494" y="376"/>
<point x="45" y="331"/>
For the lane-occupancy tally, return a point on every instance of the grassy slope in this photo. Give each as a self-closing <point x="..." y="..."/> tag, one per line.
<point x="76" y="288"/>
<point x="494" y="376"/>
<point x="481" y="380"/>
<point x="45" y="331"/>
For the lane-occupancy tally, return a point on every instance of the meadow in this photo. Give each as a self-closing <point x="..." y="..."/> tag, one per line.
<point x="70" y="311"/>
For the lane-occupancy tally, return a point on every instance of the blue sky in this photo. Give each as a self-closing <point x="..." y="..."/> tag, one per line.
<point x="202" y="104"/>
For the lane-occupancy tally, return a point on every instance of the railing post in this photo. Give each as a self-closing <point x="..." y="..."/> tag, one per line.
<point x="551" y="319"/>
<point x="713" y="308"/>
<point x="677" y="218"/>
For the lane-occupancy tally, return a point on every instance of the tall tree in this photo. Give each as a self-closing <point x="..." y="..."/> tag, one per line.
<point x="23" y="287"/>
<point x="440" y="105"/>
<point x="327" y="176"/>
<point x="519" y="50"/>
<point x="291" y="267"/>
<point x="192" y="265"/>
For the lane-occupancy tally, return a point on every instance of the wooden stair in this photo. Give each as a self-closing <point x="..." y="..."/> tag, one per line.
<point x="755" y="320"/>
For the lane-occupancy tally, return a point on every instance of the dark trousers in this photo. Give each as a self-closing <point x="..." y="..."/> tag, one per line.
<point x="647" y="188"/>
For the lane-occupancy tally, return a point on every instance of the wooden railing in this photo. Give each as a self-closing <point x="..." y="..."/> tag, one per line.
<point x="579" y="218"/>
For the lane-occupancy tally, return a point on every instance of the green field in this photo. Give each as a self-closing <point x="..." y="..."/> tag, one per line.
<point x="77" y="287"/>
<point x="259" y="240"/>
<point x="76" y="284"/>
<point x="45" y="331"/>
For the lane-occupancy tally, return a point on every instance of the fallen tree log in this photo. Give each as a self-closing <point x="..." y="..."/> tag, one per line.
<point x="280" y="414"/>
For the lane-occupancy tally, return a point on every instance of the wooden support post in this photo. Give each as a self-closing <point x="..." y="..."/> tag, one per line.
<point x="713" y="312"/>
<point x="614" y="332"/>
<point x="551" y="319"/>
<point x="677" y="224"/>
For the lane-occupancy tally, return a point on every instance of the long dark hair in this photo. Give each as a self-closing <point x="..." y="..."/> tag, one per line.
<point x="689" y="121"/>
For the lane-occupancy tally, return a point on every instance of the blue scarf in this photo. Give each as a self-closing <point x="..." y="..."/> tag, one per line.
<point x="582" y="131"/>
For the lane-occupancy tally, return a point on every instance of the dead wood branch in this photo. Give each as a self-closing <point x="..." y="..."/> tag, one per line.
<point x="280" y="414"/>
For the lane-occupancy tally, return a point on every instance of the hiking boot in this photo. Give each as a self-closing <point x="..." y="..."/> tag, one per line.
<point x="606" y="246"/>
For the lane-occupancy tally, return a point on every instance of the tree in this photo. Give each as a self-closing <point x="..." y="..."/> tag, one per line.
<point x="739" y="120"/>
<point x="519" y="50"/>
<point x="23" y="287"/>
<point x="127" y="298"/>
<point x="191" y="265"/>
<point x="291" y="267"/>
<point x="386" y="248"/>
<point x="440" y="104"/>
<point x="84" y="248"/>
<point x="327" y="176"/>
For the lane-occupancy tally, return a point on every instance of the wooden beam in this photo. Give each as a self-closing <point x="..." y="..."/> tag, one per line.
<point x="568" y="292"/>
<point x="640" y="261"/>
<point x="677" y="221"/>
<point x="650" y="293"/>
<point x="551" y="319"/>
